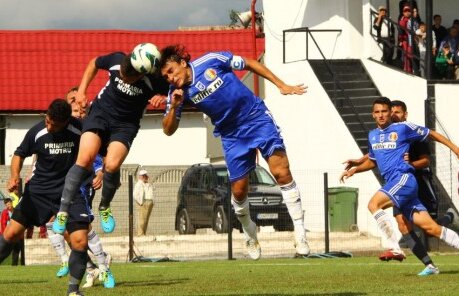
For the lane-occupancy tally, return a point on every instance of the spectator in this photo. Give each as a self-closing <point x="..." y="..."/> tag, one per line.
<point x="444" y="62"/>
<point x="143" y="195"/>
<point x="405" y="40"/>
<point x="385" y="34"/>
<point x="403" y="3"/>
<point x="18" y="247"/>
<point x="451" y="39"/>
<point x="440" y="31"/>
<point x="421" y="42"/>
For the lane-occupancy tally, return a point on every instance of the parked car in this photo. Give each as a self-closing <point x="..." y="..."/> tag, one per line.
<point x="203" y="200"/>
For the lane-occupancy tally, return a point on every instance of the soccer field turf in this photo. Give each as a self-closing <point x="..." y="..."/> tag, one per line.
<point x="343" y="276"/>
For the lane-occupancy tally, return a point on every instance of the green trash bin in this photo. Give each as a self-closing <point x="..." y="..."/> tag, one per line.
<point x="342" y="209"/>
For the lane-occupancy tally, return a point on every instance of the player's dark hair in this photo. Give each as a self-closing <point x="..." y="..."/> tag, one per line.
<point x="435" y="16"/>
<point x="59" y="110"/>
<point x="126" y="67"/>
<point x="398" y="103"/>
<point x="383" y="101"/>
<point x="7" y="200"/>
<point x="174" y="53"/>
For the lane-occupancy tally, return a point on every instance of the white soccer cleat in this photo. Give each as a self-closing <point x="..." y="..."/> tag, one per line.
<point x="302" y="247"/>
<point x="91" y="276"/>
<point x="253" y="248"/>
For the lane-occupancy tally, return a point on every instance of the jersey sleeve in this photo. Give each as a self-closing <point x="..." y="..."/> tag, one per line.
<point x="107" y="61"/>
<point x="25" y="149"/>
<point x="227" y="60"/>
<point x="415" y="133"/>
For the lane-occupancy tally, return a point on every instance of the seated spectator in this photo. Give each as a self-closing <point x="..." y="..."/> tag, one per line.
<point x="440" y="31"/>
<point x="421" y="42"/>
<point x="444" y="62"/>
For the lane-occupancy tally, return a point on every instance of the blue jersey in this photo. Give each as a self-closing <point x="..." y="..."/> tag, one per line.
<point x="388" y="146"/>
<point x="217" y="91"/>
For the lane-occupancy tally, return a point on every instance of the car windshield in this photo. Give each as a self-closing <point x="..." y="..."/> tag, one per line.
<point x="258" y="176"/>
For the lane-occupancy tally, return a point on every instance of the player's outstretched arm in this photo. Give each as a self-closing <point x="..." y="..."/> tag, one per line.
<point x="15" y="170"/>
<point x="367" y="165"/>
<point x="89" y="73"/>
<point x="170" y="121"/>
<point x="445" y="141"/>
<point x="261" y="70"/>
<point x="350" y="163"/>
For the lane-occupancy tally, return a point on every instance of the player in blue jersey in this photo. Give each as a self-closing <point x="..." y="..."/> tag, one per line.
<point x="388" y="144"/>
<point x="243" y="122"/>
<point x="55" y="141"/>
<point x="109" y="129"/>
<point x="419" y="157"/>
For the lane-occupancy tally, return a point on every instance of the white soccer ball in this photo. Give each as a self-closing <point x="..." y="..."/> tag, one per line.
<point x="145" y="58"/>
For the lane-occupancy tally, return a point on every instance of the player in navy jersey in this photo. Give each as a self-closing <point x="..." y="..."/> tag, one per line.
<point x="419" y="157"/>
<point x="55" y="141"/>
<point x="109" y="129"/>
<point x="243" y="122"/>
<point x="388" y="144"/>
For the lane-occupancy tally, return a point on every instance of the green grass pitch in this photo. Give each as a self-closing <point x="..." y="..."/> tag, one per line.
<point x="341" y="276"/>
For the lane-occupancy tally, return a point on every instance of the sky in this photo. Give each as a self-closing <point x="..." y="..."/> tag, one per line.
<point x="148" y="15"/>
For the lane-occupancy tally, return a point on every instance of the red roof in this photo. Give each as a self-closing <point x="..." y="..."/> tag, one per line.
<point x="38" y="66"/>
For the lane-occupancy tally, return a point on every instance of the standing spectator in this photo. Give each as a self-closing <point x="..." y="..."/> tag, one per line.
<point x="440" y="31"/>
<point x="444" y="62"/>
<point x="143" y="195"/>
<point x="18" y="247"/>
<point x="451" y="39"/>
<point x="405" y="40"/>
<point x="421" y="42"/>
<point x="385" y="33"/>
<point x="403" y="3"/>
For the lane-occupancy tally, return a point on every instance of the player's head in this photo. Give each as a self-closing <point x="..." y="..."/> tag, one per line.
<point x="57" y="115"/>
<point x="382" y="111"/>
<point x="71" y="94"/>
<point x="399" y="111"/>
<point x="174" y="65"/>
<point x="128" y="74"/>
<point x="8" y="203"/>
<point x="70" y="97"/>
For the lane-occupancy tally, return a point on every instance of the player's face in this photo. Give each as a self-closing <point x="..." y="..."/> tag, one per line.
<point x="381" y="114"/>
<point x="71" y="97"/>
<point x="9" y="205"/>
<point x="176" y="73"/>
<point x="398" y="114"/>
<point x="54" y="126"/>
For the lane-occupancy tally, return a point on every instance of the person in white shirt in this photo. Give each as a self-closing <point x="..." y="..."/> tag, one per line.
<point x="143" y="195"/>
<point x="421" y="42"/>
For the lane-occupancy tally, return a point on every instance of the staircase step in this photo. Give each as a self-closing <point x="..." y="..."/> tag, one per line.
<point x="354" y="92"/>
<point x="327" y="77"/>
<point x="349" y="84"/>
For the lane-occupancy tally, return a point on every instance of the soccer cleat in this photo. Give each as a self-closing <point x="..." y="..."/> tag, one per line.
<point x="77" y="293"/>
<point x="60" y="222"/>
<point x="91" y="276"/>
<point x="107" y="278"/>
<point x="455" y="221"/>
<point x="392" y="255"/>
<point x="429" y="270"/>
<point x="253" y="248"/>
<point x="302" y="247"/>
<point x="107" y="222"/>
<point x="64" y="270"/>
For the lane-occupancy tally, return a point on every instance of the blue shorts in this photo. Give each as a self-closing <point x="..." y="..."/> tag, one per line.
<point x="240" y="146"/>
<point x="109" y="129"/>
<point x="403" y="191"/>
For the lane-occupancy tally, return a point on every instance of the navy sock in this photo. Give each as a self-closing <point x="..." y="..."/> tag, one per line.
<point x="445" y="220"/>
<point x="416" y="246"/>
<point x="75" y="177"/>
<point x="111" y="184"/>
<point x="77" y="266"/>
<point x="5" y="248"/>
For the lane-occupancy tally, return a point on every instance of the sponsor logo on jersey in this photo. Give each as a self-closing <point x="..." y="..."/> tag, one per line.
<point x="211" y="88"/>
<point x="393" y="136"/>
<point x="385" y="145"/>
<point x="126" y="88"/>
<point x="60" y="148"/>
<point x="420" y="131"/>
<point x="210" y="74"/>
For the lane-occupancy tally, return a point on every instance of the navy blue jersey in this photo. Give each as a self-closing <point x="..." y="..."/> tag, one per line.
<point x="416" y="150"/>
<point x="218" y="92"/>
<point x="122" y="101"/>
<point x="56" y="154"/>
<point x="388" y="146"/>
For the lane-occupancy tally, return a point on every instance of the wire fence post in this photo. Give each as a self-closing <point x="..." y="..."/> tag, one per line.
<point x="131" y="217"/>
<point x="230" y="224"/>
<point x="327" y="238"/>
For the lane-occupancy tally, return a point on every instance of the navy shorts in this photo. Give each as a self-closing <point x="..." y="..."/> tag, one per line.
<point x="37" y="209"/>
<point x="403" y="191"/>
<point x="240" y="146"/>
<point x="109" y="129"/>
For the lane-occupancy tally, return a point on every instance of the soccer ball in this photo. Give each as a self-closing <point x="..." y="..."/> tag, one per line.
<point x="145" y="58"/>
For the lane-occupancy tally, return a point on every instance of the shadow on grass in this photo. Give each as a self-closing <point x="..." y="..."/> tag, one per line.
<point x="303" y="294"/>
<point x="152" y="283"/>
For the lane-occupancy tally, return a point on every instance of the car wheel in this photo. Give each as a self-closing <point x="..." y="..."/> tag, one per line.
<point x="220" y="220"/>
<point x="184" y="225"/>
